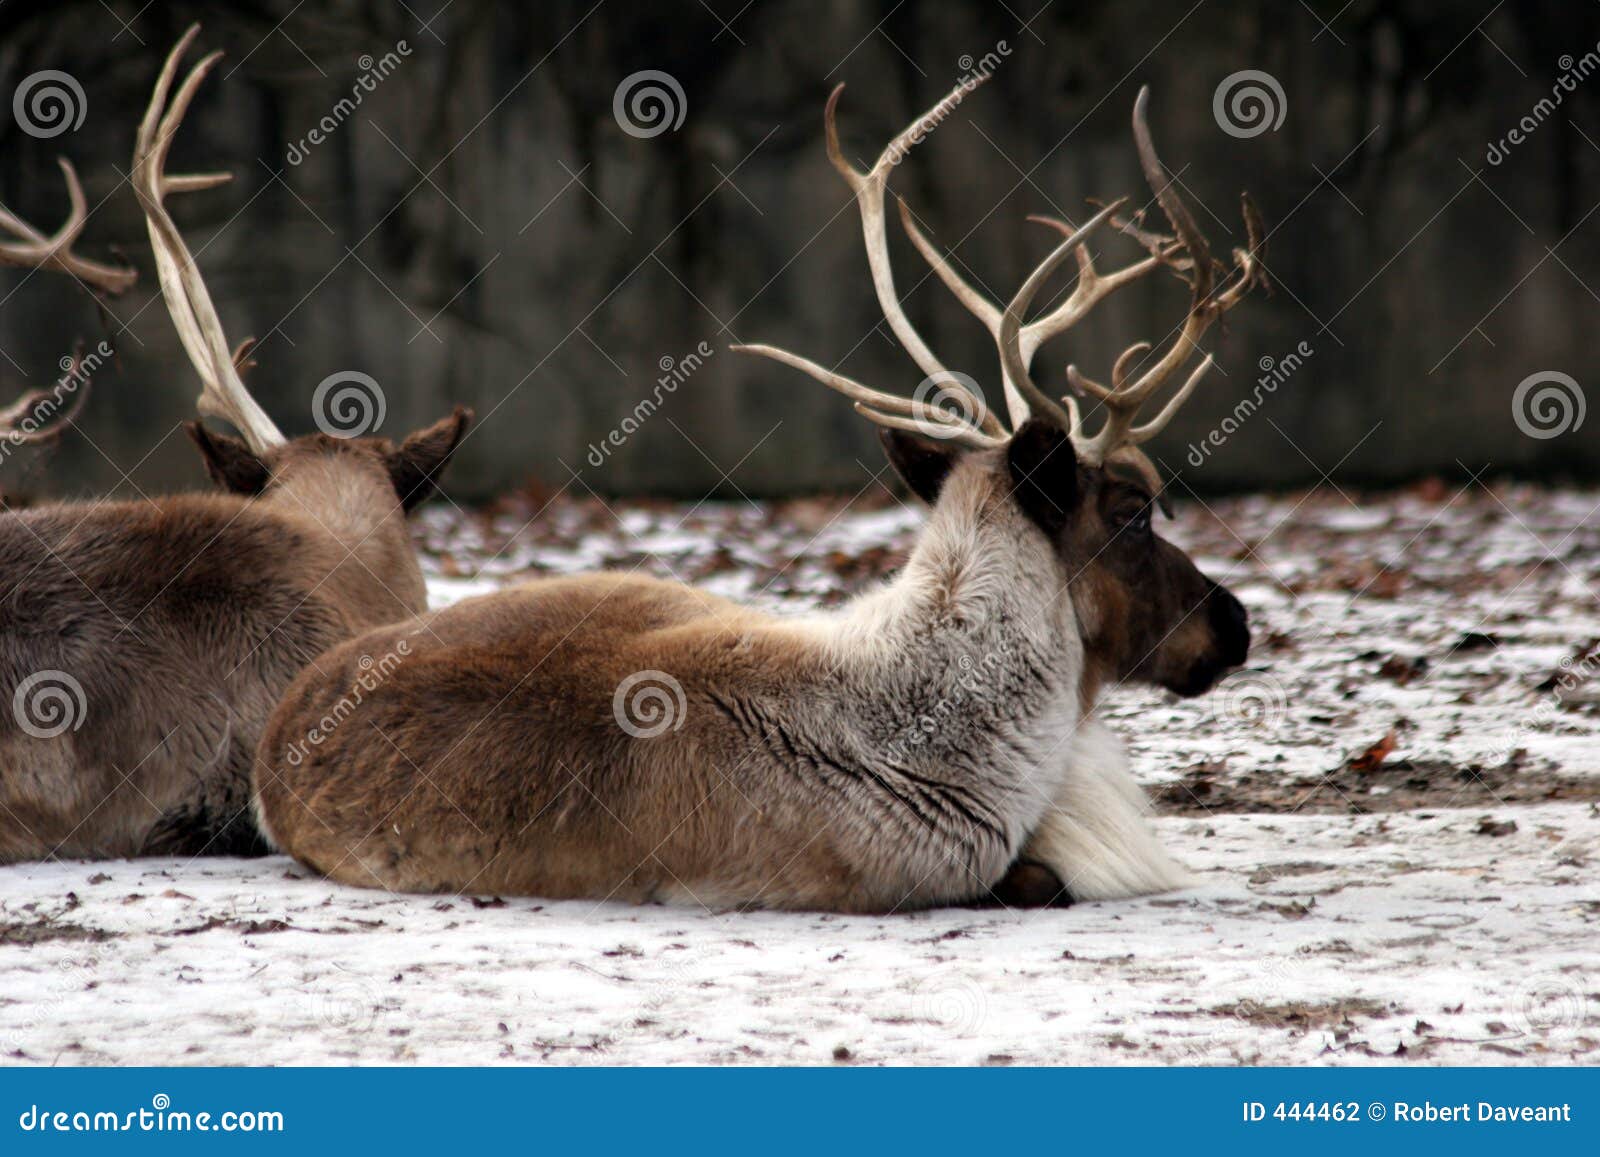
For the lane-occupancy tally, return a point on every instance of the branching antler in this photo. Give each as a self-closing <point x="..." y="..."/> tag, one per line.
<point x="33" y="250"/>
<point x="39" y="416"/>
<point x="223" y="394"/>
<point x="1186" y="254"/>
<point x="1119" y="439"/>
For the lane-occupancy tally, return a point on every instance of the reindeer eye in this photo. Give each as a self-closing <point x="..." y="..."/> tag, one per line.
<point x="1138" y="521"/>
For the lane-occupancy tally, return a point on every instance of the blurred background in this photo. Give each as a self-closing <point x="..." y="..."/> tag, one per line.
<point x="555" y="212"/>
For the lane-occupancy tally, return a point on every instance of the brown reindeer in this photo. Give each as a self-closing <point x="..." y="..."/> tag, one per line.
<point x="928" y="743"/>
<point x="143" y="644"/>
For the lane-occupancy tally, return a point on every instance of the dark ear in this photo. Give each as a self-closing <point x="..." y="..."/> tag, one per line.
<point x="1044" y="474"/>
<point x="415" y="463"/>
<point x="924" y="463"/>
<point x="229" y="461"/>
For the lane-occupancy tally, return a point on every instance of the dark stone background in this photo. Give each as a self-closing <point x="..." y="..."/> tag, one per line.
<point x="483" y="231"/>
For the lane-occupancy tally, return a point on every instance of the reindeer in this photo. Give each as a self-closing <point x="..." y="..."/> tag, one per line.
<point x="620" y="737"/>
<point x="143" y="644"/>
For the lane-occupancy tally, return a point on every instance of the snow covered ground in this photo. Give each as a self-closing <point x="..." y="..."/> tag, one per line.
<point x="1394" y="815"/>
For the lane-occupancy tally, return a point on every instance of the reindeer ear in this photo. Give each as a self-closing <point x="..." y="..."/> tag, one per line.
<point x="1044" y="474"/>
<point x="924" y="463"/>
<point x="415" y="464"/>
<point x="229" y="461"/>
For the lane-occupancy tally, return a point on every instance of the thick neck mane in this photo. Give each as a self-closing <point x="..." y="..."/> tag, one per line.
<point x="982" y="590"/>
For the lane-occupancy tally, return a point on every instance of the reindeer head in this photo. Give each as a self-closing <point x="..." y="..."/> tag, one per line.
<point x="252" y="464"/>
<point x="1144" y="610"/>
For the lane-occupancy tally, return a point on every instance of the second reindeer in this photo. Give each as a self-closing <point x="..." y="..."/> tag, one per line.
<point x="620" y="737"/>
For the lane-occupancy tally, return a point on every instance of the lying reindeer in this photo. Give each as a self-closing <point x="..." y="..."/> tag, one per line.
<point x="620" y="737"/>
<point x="143" y="644"/>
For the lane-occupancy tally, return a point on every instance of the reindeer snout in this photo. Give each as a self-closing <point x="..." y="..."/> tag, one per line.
<point x="1231" y="624"/>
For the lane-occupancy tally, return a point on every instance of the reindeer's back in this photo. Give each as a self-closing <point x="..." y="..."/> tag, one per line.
<point x="167" y="630"/>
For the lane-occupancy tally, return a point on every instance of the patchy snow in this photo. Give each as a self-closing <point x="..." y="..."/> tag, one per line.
<point x="1394" y="814"/>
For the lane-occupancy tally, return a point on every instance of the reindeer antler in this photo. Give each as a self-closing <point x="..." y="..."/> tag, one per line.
<point x="1186" y="254"/>
<point x="1118" y="439"/>
<point x="223" y="394"/>
<point x="33" y="250"/>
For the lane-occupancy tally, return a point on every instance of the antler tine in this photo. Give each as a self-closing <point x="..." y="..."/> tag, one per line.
<point x="1092" y="288"/>
<point x="1033" y="399"/>
<point x="14" y="418"/>
<point x="33" y="250"/>
<point x="869" y="188"/>
<point x="883" y="408"/>
<point x="223" y="394"/>
<point x="1189" y="254"/>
